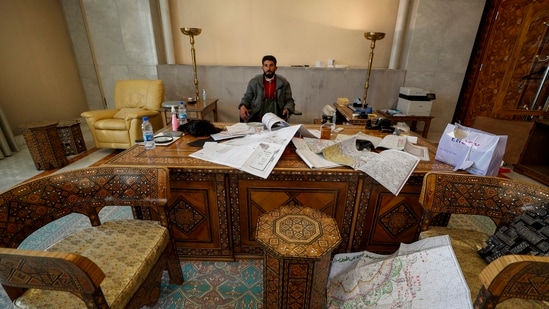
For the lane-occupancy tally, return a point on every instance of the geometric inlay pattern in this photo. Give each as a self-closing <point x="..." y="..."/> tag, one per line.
<point x="499" y="198"/>
<point x="398" y="219"/>
<point x="86" y="191"/>
<point x="185" y="216"/>
<point x="533" y="280"/>
<point x="294" y="231"/>
<point x="297" y="228"/>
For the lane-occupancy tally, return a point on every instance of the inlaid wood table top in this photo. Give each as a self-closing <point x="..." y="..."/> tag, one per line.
<point x="177" y="155"/>
<point x="301" y="232"/>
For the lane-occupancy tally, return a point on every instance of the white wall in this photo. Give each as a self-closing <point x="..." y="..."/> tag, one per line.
<point x="240" y="32"/>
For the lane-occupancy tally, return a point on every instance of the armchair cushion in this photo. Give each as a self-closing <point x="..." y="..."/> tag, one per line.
<point x="125" y="250"/>
<point x="126" y="113"/>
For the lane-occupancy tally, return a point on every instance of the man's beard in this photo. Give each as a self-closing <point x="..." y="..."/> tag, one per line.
<point x="268" y="74"/>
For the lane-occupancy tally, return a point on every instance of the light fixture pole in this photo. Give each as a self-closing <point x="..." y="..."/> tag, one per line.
<point x="372" y="36"/>
<point x="192" y="32"/>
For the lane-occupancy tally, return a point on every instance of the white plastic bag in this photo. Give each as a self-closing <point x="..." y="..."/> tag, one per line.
<point x="472" y="150"/>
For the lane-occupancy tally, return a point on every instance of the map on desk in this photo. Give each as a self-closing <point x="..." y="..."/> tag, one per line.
<point x="424" y="274"/>
<point x="391" y="168"/>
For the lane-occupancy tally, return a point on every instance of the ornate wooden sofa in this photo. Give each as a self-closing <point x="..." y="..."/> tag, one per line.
<point x="117" y="264"/>
<point x="511" y="281"/>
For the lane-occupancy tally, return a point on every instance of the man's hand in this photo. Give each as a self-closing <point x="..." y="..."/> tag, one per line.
<point x="244" y="113"/>
<point x="286" y="114"/>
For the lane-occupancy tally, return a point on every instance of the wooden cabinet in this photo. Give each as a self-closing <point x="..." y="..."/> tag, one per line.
<point x="504" y="72"/>
<point x="335" y="194"/>
<point x="199" y="214"/>
<point x="391" y="219"/>
<point x="534" y="161"/>
<point x="215" y="215"/>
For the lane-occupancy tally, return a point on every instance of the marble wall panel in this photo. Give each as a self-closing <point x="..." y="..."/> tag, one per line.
<point x="442" y="34"/>
<point x="312" y="88"/>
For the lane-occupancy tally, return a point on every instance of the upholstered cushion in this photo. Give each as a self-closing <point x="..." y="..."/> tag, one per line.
<point x="111" y="124"/>
<point x="125" y="250"/>
<point x="147" y="94"/>
<point x="125" y="113"/>
<point x="466" y="243"/>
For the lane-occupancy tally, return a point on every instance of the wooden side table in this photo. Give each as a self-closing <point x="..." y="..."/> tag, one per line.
<point x="71" y="137"/>
<point x="298" y="242"/>
<point x="347" y="113"/>
<point x="45" y="145"/>
<point x="414" y="119"/>
<point x="197" y="110"/>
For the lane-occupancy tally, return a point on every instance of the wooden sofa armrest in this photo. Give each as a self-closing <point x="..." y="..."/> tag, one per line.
<point x="499" y="198"/>
<point x="514" y="276"/>
<point x="58" y="271"/>
<point x="33" y="204"/>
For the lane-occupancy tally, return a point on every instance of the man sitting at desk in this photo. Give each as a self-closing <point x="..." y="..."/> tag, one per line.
<point x="267" y="93"/>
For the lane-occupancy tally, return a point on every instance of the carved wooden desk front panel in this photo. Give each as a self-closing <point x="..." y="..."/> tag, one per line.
<point x="214" y="209"/>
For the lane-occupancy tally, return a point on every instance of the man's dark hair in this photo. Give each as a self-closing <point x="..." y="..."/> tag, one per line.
<point x="268" y="57"/>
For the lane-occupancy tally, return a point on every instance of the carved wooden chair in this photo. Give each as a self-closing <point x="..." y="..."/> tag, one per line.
<point x="511" y="281"/>
<point x="117" y="264"/>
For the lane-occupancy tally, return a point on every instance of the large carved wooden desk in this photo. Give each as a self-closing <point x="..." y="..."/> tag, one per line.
<point x="214" y="209"/>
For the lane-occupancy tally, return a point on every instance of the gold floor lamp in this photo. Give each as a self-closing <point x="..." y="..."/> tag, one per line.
<point x="372" y="36"/>
<point x="192" y="32"/>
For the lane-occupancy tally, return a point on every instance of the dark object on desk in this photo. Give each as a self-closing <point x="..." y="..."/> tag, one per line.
<point x="199" y="127"/>
<point x="357" y="103"/>
<point x="161" y="139"/>
<point x="387" y="129"/>
<point x="200" y="142"/>
<point x="379" y="124"/>
<point x="364" y="145"/>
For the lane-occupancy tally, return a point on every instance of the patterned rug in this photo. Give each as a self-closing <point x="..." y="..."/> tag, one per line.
<point x="215" y="285"/>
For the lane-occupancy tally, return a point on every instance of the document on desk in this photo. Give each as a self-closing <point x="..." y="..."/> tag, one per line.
<point x="256" y="154"/>
<point x="391" y="168"/>
<point x="312" y="159"/>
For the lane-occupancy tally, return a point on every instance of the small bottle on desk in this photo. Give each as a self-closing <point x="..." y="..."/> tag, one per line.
<point x="148" y="134"/>
<point x="175" y="120"/>
<point x="182" y="112"/>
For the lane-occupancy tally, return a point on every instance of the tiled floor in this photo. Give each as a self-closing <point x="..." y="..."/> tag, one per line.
<point x="20" y="167"/>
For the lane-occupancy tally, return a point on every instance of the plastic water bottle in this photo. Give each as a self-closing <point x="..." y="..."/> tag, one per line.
<point x="182" y="113"/>
<point x="148" y="134"/>
<point x="204" y="95"/>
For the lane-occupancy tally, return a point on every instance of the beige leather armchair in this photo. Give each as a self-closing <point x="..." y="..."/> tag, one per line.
<point x="119" y="128"/>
